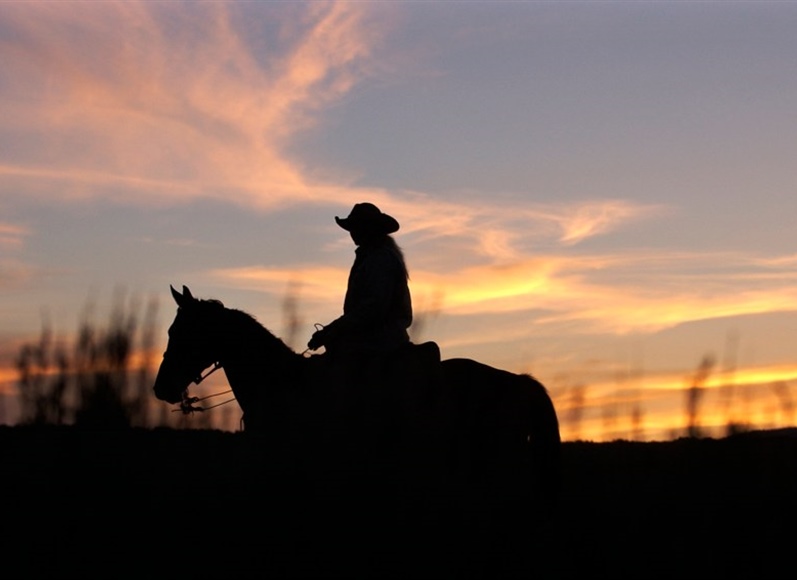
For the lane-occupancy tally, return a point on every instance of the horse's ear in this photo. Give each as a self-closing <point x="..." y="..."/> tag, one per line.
<point x="176" y="295"/>
<point x="181" y="299"/>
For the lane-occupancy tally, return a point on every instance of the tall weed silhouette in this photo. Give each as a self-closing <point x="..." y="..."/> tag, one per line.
<point x="292" y="320"/>
<point x="785" y="401"/>
<point x="694" y="395"/>
<point x="424" y="316"/>
<point x="102" y="381"/>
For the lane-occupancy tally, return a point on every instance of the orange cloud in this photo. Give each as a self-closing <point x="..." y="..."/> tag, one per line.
<point x="661" y="399"/>
<point x="570" y="289"/>
<point x="676" y="381"/>
<point x="559" y="290"/>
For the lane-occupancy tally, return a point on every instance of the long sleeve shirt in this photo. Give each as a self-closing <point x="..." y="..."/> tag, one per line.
<point x="377" y="310"/>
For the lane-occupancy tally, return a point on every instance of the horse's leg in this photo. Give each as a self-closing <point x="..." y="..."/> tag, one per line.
<point x="508" y="461"/>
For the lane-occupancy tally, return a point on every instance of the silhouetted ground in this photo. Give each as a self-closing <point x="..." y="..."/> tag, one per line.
<point x="208" y="504"/>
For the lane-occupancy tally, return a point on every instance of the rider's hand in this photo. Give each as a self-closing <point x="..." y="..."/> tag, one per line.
<point x="317" y="340"/>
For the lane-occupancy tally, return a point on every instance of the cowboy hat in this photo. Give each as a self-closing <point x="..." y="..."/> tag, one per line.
<point x="368" y="217"/>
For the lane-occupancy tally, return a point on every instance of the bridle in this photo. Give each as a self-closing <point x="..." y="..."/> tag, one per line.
<point x="200" y="377"/>
<point x="187" y="403"/>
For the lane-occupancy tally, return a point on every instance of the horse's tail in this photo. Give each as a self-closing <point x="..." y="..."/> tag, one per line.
<point x="544" y="440"/>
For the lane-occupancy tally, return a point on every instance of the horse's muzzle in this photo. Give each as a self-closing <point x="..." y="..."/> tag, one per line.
<point x="166" y="391"/>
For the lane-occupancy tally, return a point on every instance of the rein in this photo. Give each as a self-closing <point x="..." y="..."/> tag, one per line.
<point x="187" y="404"/>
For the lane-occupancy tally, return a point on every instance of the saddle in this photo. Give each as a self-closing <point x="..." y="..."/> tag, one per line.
<point x="424" y="356"/>
<point x="385" y="387"/>
<point x="416" y="372"/>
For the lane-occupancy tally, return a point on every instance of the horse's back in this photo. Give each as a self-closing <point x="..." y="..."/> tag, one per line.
<point x="487" y="385"/>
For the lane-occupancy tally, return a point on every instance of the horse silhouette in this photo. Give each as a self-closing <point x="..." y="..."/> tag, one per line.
<point x="468" y="423"/>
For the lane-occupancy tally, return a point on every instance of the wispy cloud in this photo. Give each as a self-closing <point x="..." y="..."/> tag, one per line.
<point x="501" y="234"/>
<point x="566" y="289"/>
<point x="115" y="101"/>
<point x="315" y="281"/>
<point x="788" y="261"/>
<point x="12" y="235"/>
<point x="586" y="220"/>
<point x="614" y="292"/>
<point x="13" y="271"/>
<point x="113" y="94"/>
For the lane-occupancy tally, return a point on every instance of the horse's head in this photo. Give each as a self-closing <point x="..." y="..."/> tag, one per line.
<point x="190" y="349"/>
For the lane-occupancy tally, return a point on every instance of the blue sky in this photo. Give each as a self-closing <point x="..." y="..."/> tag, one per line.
<point x="599" y="193"/>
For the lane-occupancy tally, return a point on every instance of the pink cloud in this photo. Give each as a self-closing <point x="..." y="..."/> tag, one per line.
<point x="118" y="100"/>
<point x="116" y="94"/>
<point x="12" y="235"/>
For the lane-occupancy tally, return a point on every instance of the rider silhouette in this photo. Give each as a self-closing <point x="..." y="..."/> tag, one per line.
<point x="386" y="385"/>
<point x="377" y="310"/>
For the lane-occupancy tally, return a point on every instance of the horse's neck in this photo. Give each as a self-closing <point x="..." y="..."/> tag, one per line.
<point x="253" y="358"/>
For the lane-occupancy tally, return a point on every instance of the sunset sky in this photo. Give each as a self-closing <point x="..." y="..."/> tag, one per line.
<point x="598" y="193"/>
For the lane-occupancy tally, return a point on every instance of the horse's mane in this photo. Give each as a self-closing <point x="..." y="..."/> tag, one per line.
<point x="248" y="323"/>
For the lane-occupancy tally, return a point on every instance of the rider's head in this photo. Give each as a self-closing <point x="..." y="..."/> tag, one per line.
<point x="366" y="223"/>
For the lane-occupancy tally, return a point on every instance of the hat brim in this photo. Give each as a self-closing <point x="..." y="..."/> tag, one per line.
<point x="384" y="224"/>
